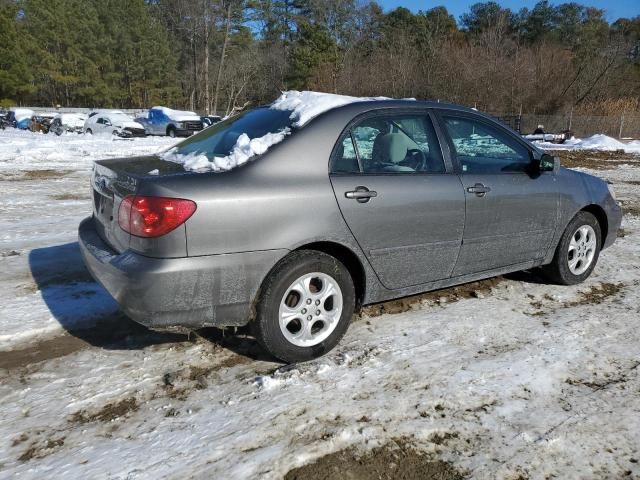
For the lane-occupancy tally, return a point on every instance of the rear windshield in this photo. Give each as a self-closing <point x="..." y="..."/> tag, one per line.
<point x="220" y="139"/>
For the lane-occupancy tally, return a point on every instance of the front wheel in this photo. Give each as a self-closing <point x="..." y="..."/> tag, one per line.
<point x="171" y="132"/>
<point x="305" y="306"/>
<point x="578" y="251"/>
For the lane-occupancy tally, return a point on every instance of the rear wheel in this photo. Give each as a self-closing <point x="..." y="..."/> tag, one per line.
<point x="577" y="252"/>
<point x="305" y="306"/>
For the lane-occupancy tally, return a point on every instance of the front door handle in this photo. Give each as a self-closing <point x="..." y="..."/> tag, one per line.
<point x="479" y="189"/>
<point x="361" y="194"/>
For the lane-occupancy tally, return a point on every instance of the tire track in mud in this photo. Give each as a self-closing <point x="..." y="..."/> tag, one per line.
<point x="113" y="332"/>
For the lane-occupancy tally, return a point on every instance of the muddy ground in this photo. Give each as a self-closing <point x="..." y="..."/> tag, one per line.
<point x="185" y="373"/>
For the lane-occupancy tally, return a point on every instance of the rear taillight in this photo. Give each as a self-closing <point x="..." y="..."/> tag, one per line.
<point x="153" y="216"/>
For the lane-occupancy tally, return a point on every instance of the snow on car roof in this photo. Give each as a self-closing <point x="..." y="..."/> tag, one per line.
<point x="307" y="105"/>
<point x="169" y="111"/>
<point x="106" y="110"/>
<point x="304" y="106"/>
<point x="21" y="113"/>
<point x="71" y="115"/>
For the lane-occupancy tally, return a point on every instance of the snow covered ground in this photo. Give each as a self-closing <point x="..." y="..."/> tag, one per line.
<point x="520" y="380"/>
<point x="598" y="141"/>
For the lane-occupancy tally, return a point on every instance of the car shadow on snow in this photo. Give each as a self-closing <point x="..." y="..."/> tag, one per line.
<point x="82" y="306"/>
<point x="528" y="276"/>
<point x="88" y="312"/>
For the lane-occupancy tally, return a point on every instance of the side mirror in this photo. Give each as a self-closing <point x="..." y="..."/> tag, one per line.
<point x="549" y="163"/>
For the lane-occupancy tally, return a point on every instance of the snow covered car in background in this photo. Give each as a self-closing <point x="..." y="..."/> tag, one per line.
<point x="68" y="122"/>
<point x="174" y="123"/>
<point x="113" y="122"/>
<point x="41" y="122"/>
<point x="4" y="123"/>
<point x="209" y="120"/>
<point x="349" y="201"/>
<point x="20" y="117"/>
<point x="549" y="137"/>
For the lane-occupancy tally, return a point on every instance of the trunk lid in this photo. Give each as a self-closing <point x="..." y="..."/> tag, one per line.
<point x="112" y="180"/>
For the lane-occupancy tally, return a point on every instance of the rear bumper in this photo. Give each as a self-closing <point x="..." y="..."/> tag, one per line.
<point x="178" y="293"/>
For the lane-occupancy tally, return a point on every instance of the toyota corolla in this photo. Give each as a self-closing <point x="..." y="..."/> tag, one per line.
<point x="289" y="217"/>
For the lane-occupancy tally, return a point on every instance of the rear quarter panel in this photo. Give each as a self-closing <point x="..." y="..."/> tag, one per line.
<point x="279" y="201"/>
<point x="283" y="200"/>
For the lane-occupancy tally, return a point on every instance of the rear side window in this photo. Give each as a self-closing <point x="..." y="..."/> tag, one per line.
<point x="482" y="148"/>
<point x="402" y="143"/>
<point x="345" y="159"/>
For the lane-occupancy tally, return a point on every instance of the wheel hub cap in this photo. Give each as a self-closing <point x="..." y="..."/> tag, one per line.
<point x="310" y="309"/>
<point x="582" y="249"/>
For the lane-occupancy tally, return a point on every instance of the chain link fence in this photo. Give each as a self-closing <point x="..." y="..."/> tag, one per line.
<point x="616" y="126"/>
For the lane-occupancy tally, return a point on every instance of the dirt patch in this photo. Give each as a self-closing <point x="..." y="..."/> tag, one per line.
<point x="34" y="175"/>
<point x="631" y="209"/>
<point x="9" y="253"/>
<point x="621" y="376"/>
<point x="41" y="351"/>
<point x="179" y="384"/>
<point x="69" y="196"/>
<point x="108" y="413"/>
<point x="597" y="294"/>
<point x="112" y="331"/>
<point x="397" y="462"/>
<point x="447" y="295"/>
<point x="595" y="160"/>
<point x="41" y="449"/>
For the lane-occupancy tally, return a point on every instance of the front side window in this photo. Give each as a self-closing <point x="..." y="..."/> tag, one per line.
<point x="482" y="148"/>
<point x="403" y="143"/>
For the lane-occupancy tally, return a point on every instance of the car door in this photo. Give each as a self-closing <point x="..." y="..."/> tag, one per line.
<point x="154" y="122"/>
<point x="403" y="204"/>
<point x="511" y="207"/>
<point x="101" y="125"/>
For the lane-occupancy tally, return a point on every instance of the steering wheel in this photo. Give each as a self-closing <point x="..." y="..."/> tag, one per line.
<point x="415" y="159"/>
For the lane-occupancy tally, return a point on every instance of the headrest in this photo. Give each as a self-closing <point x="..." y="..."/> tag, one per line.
<point x="389" y="148"/>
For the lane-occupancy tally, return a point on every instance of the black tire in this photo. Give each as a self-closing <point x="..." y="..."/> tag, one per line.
<point x="558" y="270"/>
<point x="89" y="131"/>
<point x="266" y="326"/>
<point x="171" y="132"/>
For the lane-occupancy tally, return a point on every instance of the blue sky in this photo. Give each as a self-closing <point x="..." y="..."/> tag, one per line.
<point x="614" y="8"/>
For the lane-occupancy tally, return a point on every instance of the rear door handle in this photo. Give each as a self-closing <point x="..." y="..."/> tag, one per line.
<point x="361" y="194"/>
<point x="479" y="189"/>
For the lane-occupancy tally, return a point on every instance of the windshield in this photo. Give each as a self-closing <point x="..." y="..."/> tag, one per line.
<point x="220" y="139"/>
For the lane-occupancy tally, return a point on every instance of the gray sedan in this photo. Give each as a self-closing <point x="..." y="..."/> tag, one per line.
<point x="366" y="202"/>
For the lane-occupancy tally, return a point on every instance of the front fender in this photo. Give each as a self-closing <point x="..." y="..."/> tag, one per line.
<point x="579" y="191"/>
